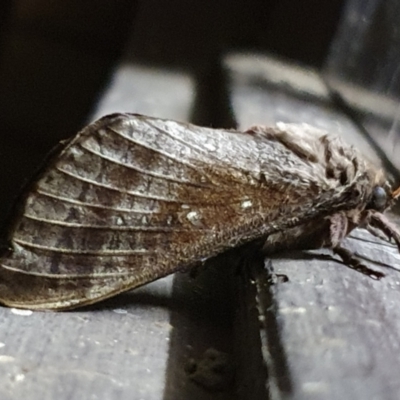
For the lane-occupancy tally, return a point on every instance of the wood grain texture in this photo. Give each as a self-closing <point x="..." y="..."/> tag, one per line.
<point x="114" y="352"/>
<point x="339" y="329"/>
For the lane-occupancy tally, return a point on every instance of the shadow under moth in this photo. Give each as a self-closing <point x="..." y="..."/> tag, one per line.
<point x="132" y="198"/>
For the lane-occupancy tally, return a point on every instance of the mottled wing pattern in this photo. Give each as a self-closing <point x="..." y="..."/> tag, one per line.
<point x="132" y="198"/>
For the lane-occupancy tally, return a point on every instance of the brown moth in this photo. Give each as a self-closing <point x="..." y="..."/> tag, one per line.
<point x="131" y="199"/>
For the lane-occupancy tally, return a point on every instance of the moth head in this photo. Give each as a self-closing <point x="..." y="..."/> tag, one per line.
<point x="382" y="197"/>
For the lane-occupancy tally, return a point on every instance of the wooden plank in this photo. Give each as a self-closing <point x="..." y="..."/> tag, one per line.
<point x="340" y="329"/>
<point x="329" y="332"/>
<point x="117" y="351"/>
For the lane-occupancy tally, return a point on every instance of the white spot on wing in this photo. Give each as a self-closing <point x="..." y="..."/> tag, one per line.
<point x="246" y="204"/>
<point x="193" y="215"/>
<point x="194" y="218"/>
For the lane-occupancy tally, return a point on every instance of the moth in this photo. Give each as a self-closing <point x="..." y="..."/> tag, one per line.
<point x="132" y="198"/>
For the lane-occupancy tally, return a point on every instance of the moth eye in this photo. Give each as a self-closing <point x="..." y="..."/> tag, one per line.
<point x="379" y="198"/>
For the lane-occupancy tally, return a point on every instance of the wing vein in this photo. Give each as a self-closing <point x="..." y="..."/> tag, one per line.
<point x="144" y="171"/>
<point x="162" y="229"/>
<point x="67" y="276"/>
<point x="158" y="151"/>
<point x="178" y="139"/>
<point x="133" y="194"/>
<point x="62" y="250"/>
<point x="81" y="203"/>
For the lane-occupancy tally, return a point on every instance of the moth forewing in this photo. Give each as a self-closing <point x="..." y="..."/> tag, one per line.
<point x="132" y="198"/>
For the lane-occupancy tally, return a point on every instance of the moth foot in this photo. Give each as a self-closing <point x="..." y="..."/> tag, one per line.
<point x="379" y="221"/>
<point x="377" y="233"/>
<point x="351" y="261"/>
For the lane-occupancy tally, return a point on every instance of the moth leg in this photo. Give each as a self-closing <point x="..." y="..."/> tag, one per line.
<point x="376" y="232"/>
<point x="353" y="262"/>
<point x="379" y="221"/>
<point x="339" y="227"/>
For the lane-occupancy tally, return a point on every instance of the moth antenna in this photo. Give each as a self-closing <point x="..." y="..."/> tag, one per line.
<point x="396" y="193"/>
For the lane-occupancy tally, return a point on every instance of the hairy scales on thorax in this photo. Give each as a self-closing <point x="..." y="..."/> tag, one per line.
<point x="132" y="198"/>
